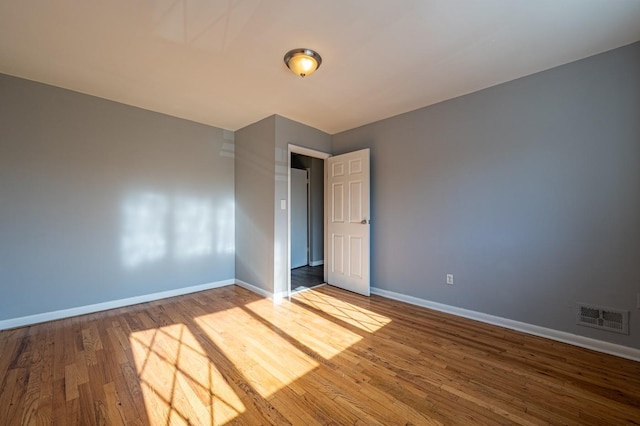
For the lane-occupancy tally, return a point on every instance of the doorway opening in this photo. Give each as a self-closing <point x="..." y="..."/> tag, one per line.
<point x="307" y="221"/>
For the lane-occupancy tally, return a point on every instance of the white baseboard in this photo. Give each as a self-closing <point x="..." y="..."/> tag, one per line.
<point x="275" y="297"/>
<point x="560" y="336"/>
<point x="255" y="289"/>
<point x="89" y="309"/>
<point x="316" y="263"/>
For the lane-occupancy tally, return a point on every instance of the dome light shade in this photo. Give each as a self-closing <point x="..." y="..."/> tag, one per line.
<point x="302" y="62"/>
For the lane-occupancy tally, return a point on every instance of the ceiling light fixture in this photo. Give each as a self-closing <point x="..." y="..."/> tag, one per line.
<point x="302" y="62"/>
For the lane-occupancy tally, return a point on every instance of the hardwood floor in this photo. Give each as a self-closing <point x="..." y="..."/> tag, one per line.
<point x="306" y="277"/>
<point x="327" y="356"/>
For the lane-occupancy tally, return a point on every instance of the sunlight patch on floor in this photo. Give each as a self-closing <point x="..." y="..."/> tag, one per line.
<point x="320" y="335"/>
<point x="241" y="336"/>
<point x="178" y="380"/>
<point x="361" y="318"/>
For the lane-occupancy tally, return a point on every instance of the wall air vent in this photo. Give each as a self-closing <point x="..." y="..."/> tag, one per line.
<point x="609" y="319"/>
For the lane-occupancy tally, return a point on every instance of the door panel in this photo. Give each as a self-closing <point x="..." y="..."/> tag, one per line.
<point x="348" y="225"/>
<point x="337" y="266"/>
<point x="337" y="195"/>
<point x="355" y="245"/>
<point x="355" y="202"/>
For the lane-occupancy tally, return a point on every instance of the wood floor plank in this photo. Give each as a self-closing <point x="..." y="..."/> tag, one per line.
<point x="71" y="382"/>
<point x="134" y="390"/>
<point x="32" y="395"/>
<point x="125" y="401"/>
<point x="16" y="405"/>
<point x="114" y="410"/>
<point x="44" y="412"/>
<point x="86" y="405"/>
<point x="227" y="356"/>
<point x="6" y="392"/>
<point x="59" y="405"/>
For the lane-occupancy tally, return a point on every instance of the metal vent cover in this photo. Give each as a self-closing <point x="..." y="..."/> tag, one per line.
<point x="616" y="320"/>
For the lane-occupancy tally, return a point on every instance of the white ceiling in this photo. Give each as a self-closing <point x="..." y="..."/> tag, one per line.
<point x="220" y="61"/>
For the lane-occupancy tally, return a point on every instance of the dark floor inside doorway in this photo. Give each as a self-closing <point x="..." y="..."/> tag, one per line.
<point x="306" y="277"/>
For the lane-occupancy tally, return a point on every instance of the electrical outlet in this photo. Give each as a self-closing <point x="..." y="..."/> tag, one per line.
<point x="450" y="279"/>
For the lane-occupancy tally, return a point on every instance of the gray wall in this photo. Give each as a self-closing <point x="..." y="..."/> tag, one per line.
<point x="254" y="189"/>
<point x="528" y="192"/>
<point x="101" y="201"/>
<point x="289" y="132"/>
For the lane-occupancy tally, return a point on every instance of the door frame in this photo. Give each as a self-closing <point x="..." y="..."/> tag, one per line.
<point x="291" y="148"/>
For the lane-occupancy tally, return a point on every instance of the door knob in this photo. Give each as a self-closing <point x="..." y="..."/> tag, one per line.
<point x="364" y="221"/>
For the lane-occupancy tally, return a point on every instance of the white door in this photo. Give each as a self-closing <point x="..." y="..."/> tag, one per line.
<point x="299" y="217"/>
<point x="348" y="221"/>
